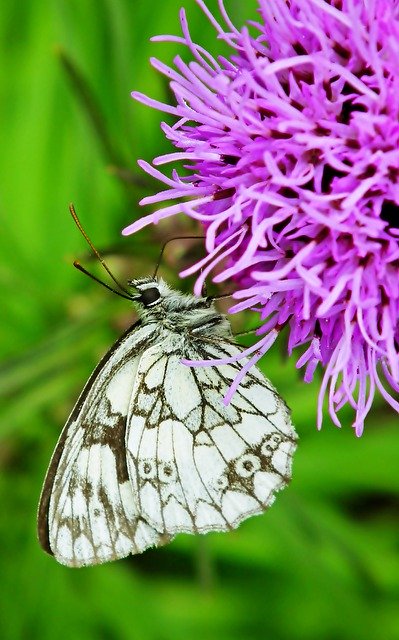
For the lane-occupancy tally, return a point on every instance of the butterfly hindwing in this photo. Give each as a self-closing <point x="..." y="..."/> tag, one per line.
<point x="196" y="464"/>
<point x="88" y="511"/>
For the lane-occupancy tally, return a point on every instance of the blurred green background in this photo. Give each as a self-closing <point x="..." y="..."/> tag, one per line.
<point x="323" y="562"/>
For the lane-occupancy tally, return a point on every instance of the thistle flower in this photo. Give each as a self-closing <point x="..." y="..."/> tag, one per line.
<point x="292" y="150"/>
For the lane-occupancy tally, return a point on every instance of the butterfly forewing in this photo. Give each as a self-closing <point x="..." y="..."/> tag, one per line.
<point x="196" y="464"/>
<point x="88" y="511"/>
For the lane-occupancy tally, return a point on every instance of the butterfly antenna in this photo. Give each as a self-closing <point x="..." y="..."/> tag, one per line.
<point x="222" y="296"/>
<point x="79" y="267"/>
<point x="166" y="244"/>
<point x="97" y="254"/>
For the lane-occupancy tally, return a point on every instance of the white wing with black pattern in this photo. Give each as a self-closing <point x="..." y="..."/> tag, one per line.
<point x="88" y="511"/>
<point x="197" y="465"/>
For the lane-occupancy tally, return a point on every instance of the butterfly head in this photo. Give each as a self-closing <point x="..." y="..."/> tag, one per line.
<point x="159" y="302"/>
<point x="148" y="289"/>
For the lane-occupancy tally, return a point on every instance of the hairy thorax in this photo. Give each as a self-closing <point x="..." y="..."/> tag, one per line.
<point x="188" y="315"/>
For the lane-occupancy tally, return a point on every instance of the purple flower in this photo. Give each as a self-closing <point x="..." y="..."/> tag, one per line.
<point x="292" y="150"/>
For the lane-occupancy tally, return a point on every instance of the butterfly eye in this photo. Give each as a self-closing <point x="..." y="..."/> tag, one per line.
<point x="149" y="297"/>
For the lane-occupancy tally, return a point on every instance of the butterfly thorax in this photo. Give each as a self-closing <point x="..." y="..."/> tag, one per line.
<point x="178" y="312"/>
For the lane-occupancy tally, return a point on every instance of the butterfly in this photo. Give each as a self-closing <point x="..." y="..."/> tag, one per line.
<point x="150" y="450"/>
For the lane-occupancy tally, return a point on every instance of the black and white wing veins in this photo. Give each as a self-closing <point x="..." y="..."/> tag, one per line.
<point x="196" y="464"/>
<point x="88" y="513"/>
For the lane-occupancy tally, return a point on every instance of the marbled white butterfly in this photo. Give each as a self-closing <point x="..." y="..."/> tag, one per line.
<point x="150" y="450"/>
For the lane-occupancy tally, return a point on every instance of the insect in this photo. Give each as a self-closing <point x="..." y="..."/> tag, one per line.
<point x="150" y="450"/>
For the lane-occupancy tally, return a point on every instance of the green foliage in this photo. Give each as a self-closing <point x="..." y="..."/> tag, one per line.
<point x="323" y="563"/>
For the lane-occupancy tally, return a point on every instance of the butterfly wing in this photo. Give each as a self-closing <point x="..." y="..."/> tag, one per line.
<point x="88" y="512"/>
<point x="195" y="464"/>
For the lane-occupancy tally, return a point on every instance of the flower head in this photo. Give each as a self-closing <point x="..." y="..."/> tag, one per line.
<point x="292" y="151"/>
